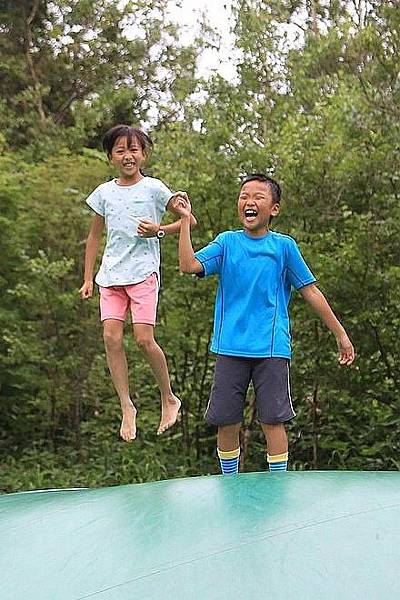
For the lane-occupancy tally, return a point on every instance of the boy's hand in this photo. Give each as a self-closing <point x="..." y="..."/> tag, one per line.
<point x="147" y="229"/>
<point x="86" y="290"/>
<point x="346" y="350"/>
<point x="180" y="204"/>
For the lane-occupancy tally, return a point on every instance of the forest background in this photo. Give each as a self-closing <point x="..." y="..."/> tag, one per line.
<point x="315" y="103"/>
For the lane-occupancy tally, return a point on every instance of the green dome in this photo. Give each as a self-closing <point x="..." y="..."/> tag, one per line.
<point x="296" y="535"/>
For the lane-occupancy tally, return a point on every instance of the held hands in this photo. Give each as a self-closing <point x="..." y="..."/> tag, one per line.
<point x="346" y="350"/>
<point x="86" y="290"/>
<point x="180" y="204"/>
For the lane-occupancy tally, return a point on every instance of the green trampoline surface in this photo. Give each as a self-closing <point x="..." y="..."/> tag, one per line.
<point x="299" y="535"/>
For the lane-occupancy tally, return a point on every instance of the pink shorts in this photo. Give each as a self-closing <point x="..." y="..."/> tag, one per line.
<point x="141" y="298"/>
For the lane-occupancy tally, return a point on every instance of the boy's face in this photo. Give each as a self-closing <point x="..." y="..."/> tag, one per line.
<point x="127" y="158"/>
<point x="255" y="207"/>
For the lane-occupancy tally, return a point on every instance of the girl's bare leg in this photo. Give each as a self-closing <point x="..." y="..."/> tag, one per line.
<point x="170" y="404"/>
<point x="116" y="359"/>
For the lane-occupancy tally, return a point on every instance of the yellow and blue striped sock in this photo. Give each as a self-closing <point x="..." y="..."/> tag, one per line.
<point x="229" y="461"/>
<point x="278" y="462"/>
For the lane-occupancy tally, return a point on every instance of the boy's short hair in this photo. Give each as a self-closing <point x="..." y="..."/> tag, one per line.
<point x="272" y="184"/>
<point x="129" y="132"/>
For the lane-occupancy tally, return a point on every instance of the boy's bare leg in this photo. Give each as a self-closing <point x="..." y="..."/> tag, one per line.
<point x="228" y="437"/>
<point x="276" y="438"/>
<point x="116" y="359"/>
<point x="170" y="404"/>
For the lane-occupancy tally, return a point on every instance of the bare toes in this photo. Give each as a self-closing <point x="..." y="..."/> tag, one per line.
<point x="169" y="419"/>
<point x="128" y="425"/>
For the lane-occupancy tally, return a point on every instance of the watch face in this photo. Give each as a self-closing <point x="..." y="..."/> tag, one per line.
<point x="160" y="234"/>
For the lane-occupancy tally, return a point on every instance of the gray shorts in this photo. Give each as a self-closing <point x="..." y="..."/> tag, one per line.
<point x="232" y="376"/>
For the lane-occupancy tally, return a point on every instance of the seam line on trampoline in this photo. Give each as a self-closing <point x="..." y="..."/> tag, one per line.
<point x="233" y="548"/>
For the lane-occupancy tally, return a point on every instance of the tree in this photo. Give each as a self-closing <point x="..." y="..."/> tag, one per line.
<point x="79" y="66"/>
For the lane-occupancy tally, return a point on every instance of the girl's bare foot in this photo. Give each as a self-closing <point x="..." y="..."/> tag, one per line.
<point x="128" y="425"/>
<point x="169" y="413"/>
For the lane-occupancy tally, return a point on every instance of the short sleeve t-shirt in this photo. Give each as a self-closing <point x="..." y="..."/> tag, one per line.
<point x="251" y="317"/>
<point x="128" y="258"/>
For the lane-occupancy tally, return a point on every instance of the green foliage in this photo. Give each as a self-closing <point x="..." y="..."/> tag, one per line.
<point x="74" y="68"/>
<point x="322" y="118"/>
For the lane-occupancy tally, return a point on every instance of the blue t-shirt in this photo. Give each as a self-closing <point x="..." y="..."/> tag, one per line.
<point x="255" y="279"/>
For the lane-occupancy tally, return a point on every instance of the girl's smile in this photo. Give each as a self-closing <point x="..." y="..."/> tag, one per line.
<point x="128" y="159"/>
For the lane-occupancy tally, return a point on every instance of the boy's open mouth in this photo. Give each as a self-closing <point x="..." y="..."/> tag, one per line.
<point x="128" y="164"/>
<point x="250" y="214"/>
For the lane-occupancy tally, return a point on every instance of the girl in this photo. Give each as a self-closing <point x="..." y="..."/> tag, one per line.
<point x="131" y="207"/>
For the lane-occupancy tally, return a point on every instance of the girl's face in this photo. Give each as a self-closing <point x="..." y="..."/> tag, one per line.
<point x="128" y="158"/>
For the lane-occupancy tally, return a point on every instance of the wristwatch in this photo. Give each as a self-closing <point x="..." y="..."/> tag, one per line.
<point x="160" y="234"/>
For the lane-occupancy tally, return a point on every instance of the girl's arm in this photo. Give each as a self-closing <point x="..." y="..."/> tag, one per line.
<point x="150" y="229"/>
<point x="175" y="227"/>
<point x="318" y="302"/>
<point x="92" y="246"/>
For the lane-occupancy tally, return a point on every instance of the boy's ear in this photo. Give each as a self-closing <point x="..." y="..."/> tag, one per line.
<point x="275" y="210"/>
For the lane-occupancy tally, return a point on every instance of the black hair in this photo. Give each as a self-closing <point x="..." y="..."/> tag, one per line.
<point x="272" y="184"/>
<point x="129" y="132"/>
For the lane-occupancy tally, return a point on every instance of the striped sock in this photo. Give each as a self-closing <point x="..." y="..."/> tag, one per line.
<point x="229" y="461"/>
<point x="278" y="462"/>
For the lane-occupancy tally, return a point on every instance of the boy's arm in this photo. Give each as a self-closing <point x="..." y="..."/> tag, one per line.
<point x="188" y="263"/>
<point x="92" y="246"/>
<point x="318" y="302"/>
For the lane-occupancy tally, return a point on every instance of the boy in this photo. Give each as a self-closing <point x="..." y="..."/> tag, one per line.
<point x="256" y="268"/>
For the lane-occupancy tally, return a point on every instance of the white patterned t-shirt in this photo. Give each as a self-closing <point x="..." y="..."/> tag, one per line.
<point x="128" y="258"/>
